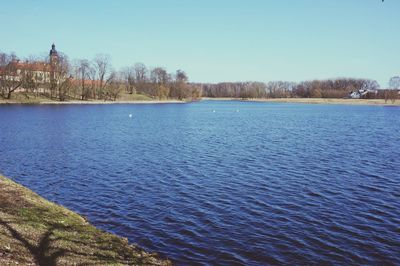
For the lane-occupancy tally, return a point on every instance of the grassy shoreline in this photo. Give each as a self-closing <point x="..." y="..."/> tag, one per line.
<point x="23" y="98"/>
<point x="53" y="102"/>
<point x="313" y="101"/>
<point x="113" y="102"/>
<point x="34" y="231"/>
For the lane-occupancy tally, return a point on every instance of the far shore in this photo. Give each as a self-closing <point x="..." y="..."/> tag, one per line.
<point x="313" y="101"/>
<point x="47" y="101"/>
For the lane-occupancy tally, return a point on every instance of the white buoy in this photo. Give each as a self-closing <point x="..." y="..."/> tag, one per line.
<point x="213" y="111"/>
<point x="130" y="115"/>
<point x="237" y="111"/>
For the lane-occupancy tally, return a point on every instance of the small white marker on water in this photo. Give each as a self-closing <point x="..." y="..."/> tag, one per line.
<point x="213" y="111"/>
<point x="130" y="115"/>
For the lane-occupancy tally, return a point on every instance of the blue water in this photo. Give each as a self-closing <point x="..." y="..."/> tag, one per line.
<point x="220" y="182"/>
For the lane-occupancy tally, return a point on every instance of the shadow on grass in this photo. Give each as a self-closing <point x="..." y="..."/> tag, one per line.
<point x="41" y="250"/>
<point x="45" y="253"/>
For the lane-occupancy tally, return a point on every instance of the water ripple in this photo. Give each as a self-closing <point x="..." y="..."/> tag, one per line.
<point x="272" y="184"/>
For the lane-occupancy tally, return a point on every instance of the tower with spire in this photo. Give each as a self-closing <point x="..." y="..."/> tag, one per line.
<point x="53" y="55"/>
<point x="53" y="62"/>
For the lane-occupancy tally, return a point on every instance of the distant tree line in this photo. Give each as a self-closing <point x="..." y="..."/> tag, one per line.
<point x="329" y="88"/>
<point x="273" y="89"/>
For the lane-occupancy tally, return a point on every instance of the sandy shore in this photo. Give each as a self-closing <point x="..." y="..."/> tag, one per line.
<point x="34" y="231"/>
<point x="314" y="101"/>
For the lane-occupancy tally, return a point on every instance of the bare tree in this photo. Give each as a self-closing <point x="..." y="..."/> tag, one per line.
<point x="279" y="89"/>
<point x="394" y="82"/>
<point x="128" y="76"/>
<point x="140" y="72"/>
<point x="59" y="78"/>
<point x="196" y="92"/>
<point x="180" y="88"/>
<point x="159" y="79"/>
<point x="5" y="59"/>
<point x="10" y="80"/>
<point x="64" y="88"/>
<point x="181" y="76"/>
<point x="159" y="75"/>
<point x="141" y="78"/>
<point x="370" y="84"/>
<point x="113" y="87"/>
<point x="102" y="65"/>
<point x="83" y="70"/>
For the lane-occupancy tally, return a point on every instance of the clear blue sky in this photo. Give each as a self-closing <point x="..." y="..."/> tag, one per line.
<point x="216" y="40"/>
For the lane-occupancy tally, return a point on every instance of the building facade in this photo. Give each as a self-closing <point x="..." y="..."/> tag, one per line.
<point x="39" y="71"/>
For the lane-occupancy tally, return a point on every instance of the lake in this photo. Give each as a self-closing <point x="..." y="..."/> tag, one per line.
<point x="215" y="182"/>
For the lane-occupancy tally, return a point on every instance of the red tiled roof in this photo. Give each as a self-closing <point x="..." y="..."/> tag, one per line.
<point x="5" y="71"/>
<point x="34" y="66"/>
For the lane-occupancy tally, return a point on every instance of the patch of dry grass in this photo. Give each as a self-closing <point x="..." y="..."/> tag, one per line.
<point x="330" y="101"/>
<point x="34" y="231"/>
<point x="24" y="98"/>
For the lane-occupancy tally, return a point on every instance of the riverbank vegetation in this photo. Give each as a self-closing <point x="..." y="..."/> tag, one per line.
<point x="85" y="80"/>
<point x="34" y="231"/>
